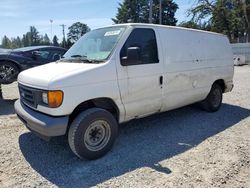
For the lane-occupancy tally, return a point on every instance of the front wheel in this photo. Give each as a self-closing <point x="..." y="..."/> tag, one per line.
<point x="92" y="133"/>
<point x="8" y="72"/>
<point x="213" y="101"/>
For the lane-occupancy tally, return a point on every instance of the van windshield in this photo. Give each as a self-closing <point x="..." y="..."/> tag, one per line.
<point x="94" y="46"/>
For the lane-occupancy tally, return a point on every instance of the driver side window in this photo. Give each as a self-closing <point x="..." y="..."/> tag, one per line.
<point x="43" y="54"/>
<point x="145" y="40"/>
<point x="40" y="55"/>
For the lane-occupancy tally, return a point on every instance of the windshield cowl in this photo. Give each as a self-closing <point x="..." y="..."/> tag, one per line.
<point x="79" y="59"/>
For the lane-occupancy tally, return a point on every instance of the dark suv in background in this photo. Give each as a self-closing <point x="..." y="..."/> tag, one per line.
<point x="14" y="61"/>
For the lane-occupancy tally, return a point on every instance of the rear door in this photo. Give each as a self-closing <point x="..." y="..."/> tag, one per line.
<point x="141" y="83"/>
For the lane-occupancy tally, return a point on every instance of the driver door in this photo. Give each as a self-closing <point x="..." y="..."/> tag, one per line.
<point x="140" y="82"/>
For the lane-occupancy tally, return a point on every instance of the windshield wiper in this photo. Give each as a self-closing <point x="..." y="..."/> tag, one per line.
<point x="84" y="58"/>
<point x="80" y="56"/>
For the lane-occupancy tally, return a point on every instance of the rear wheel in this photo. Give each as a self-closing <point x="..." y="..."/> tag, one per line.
<point x="8" y="72"/>
<point x="92" y="133"/>
<point x="214" y="99"/>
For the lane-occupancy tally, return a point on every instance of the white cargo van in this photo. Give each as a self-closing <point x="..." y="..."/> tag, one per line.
<point x="122" y="72"/>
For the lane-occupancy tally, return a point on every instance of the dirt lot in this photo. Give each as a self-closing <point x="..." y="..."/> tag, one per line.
<point x="182" y="148"/>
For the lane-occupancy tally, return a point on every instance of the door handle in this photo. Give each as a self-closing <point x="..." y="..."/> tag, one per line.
<point x="161" y="80"/>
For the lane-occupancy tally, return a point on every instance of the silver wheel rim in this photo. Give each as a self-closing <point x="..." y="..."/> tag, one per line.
<point x="216" y="95"/>
<point x="7" y="72"/>
<point x="97" y="135"/>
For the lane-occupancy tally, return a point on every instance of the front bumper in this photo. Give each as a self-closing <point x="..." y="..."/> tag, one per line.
<point x="42" y="124"/>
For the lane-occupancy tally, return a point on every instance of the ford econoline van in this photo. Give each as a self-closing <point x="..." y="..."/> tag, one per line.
<point x="118" y="73"/>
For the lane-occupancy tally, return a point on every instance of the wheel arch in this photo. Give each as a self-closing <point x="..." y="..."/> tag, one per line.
<point x="104" y="103"/>
<point x="12" y="61"/>
<point x="221" y="83"/>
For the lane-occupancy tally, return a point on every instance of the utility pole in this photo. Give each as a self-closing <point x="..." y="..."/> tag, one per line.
<point x="150" y="10"/>
<point x="244" y="7"/>
<point x="160" y="12"/>
<point x="63" y="31"/>
<point x="51" y="21"/>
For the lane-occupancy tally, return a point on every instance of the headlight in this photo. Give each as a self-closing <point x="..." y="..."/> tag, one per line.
<point x="53" y="99"/>
<point x="45" y="97"/>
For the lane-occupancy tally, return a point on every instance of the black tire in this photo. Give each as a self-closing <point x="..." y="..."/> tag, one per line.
<point x="8" y="72"/>
<point x="89" y="127"/>
<point x="213" y="101"/>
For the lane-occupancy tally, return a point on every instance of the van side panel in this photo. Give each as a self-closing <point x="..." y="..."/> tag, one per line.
<point x="193" y="61"/>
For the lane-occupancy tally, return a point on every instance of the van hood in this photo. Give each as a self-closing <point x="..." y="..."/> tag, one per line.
<point x="42" y="76"/>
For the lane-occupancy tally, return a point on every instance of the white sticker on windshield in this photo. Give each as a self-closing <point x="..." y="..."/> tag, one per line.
<point x="111" y="33"/>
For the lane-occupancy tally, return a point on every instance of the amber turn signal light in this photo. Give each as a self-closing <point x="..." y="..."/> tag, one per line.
<point x="55" y="98"/>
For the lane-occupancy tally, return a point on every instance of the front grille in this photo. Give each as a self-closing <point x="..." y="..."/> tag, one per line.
<point x="28" y="95"/>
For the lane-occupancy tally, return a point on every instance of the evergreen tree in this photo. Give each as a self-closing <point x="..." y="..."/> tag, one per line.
<point x="55" y="41"/>
<point x="46" y="40"/>
<point x="68" y="43"/>
<point x="25" y="40"/>
<point x="33" y="37"/>
<point x="6" y="43"/>
<point x="64" y="43"/>
<point x="168" y="12"/>
<point x="132" y="11"/>
<point x="19" y="42"/>
<point x="137" y="11"/>
<point x="16" y="42"/>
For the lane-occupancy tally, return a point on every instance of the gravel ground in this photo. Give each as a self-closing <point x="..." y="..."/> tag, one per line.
<point x="182" y="148"/>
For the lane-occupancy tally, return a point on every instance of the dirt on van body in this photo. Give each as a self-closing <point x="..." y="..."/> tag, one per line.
<point x="186" y="147"/>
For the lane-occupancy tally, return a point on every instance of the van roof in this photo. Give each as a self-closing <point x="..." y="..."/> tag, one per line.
<point x="167" y="26"/>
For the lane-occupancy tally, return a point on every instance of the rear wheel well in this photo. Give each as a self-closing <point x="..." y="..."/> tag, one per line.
<point x="221" y="83"/>
<point x="104" y="103"/>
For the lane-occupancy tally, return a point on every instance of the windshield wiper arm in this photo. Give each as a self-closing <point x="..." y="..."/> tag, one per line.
<point x="80" y="56"/>
<point x="95" y="61"/>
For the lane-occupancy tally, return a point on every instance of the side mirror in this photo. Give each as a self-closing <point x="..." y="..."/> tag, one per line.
<point x="133" y="57"/>
<point x="35" y="54"/>
<point x="56" y="57"/>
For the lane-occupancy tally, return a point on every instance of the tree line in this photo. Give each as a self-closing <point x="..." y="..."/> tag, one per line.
<point x="33" y="38"/>
<point x="229" y="17"/>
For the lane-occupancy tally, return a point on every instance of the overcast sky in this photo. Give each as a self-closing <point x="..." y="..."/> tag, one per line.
<point x="17" y="15"/>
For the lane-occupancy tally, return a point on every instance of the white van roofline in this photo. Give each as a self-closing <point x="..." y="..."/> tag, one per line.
<point x="163" y="26"/>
